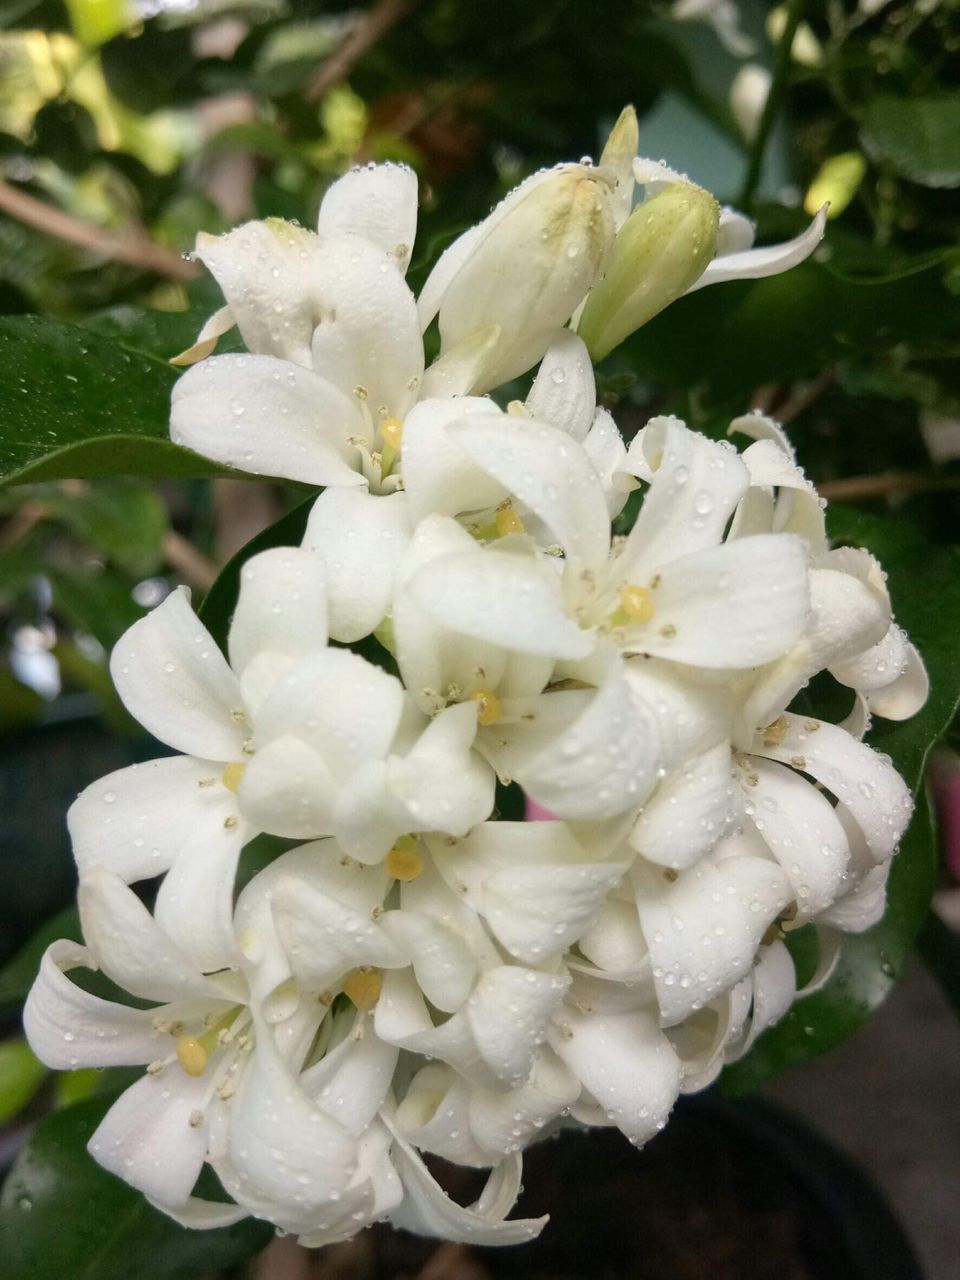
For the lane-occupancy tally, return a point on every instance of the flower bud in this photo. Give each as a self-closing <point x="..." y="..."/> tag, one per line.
<point x="524" y="269"/>
<point x="663" y="249"/>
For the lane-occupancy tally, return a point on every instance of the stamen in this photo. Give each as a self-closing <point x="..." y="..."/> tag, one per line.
<point x="232" y="776"/>
<point x="403" y="862"/>
<point x="775" y="733"/>
<point x="363" y="987"/>
<point x="191" y="1055"/>
<point x="488" y="706"/>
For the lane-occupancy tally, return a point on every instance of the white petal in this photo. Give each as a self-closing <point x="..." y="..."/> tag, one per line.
<point x="703" y="928"/>
<point x="282" y="605"/>
<point x="351" y="1081"/>
<point x="359" y="539"/>
<point x="695" y="483"/>
<point x="460" y="369"/>
<point x="539" y="911"/>
<point x="508" y="1015"/>
<point x="564" y="393"/>
<point x="288" y="790"/>
<point x="603" y="445"/>
<point x="367" y="340"/>
<point x="201" y="1215"/>
<point x="863" y="906"/>
<point x="802" y="831"/>
<point x="550" y="474"/>
<point x="627" y="1065"/>
<point x="286" y="1159"/>
<point x="442" y="963"/>
<point x="774" y="990"/>
<point x="146" y="1137"/>
<point x="194" y="903"/>
<point x="130" y="947"/>
<point x="268" y="417"/>
<point x="614" y="942"/>
<point x="377" y="202"/>
<point x="861" y="779"/>
<point x="506" y="599"/>
<point x="736" y="232"/>
<point x="347" y="709"/>
<point x="688" y="812"/>
<point x="325" y="939"/>
<point x="596" y="765"/>
<point x="220" y="322"/>
<point x="690" y="719"/>
<point x="906" y="695"/>
<point x="753" y="264"/>
<point x="738" y="605"/>
<point x="136" y="821"/>
<point x="442" y="783"/>
<point x="176" y="682"/>
<point x="265" y="272"/>
<point x="67" y="1027"/>
<point x="427" y="1209"/>
<point x="438" y="477"/>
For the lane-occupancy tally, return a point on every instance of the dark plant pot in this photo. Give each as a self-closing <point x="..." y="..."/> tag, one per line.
<point x="732" y="1190"/>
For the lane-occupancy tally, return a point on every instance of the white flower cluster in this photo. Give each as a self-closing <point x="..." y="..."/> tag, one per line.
<point x="416" y="975"/>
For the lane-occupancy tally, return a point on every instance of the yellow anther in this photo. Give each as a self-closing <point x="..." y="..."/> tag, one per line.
<point x="363" y="987"/>
<point x="488" y="706"/>
<point x="191" y="1055"/>
<point x="391" y="432"/>
<point x="403" y="862"/>
<point x="232" y="776"/>
<point x="775" y="733"/>
<point x="636" y="604"/>
<point x="508" y="521"/>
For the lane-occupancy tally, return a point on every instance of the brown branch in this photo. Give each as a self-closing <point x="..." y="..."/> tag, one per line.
<point x="886" y="484"/>
<point x="795" y="404"/>
<point x="369" y="29"/>
<point x="135" y="249"/>
<point x="194" y="567"/>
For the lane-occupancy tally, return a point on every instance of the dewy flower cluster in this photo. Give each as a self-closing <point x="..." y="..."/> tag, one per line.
<point x="415" y="975"/>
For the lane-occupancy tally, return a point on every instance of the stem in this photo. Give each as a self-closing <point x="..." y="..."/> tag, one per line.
<point x="771" y="109"/>
<point x="369" y="29"/>
<point x="135" y="249"/>
<point x="885" y="484"/>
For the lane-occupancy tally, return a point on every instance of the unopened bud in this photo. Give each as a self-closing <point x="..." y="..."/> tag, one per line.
<point x="525" y="270"/>
<point x="663" y="249"/>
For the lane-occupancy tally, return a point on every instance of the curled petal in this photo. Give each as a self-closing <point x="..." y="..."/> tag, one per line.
<point x="377" y="202"/>
<point x="771" y="260"/>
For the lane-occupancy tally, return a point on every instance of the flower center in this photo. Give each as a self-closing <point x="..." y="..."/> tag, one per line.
<point x="488" y="706"/>
<point x="232" y="776"/>
<point x="403" y="862"/>
<point x="363" y="987"/>
<point x="636" y="605"/>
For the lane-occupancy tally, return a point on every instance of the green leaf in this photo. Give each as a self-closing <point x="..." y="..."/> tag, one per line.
<point x="21" y="1075"/>
<point x="16" y="977"/>
<point x="919" y="137"/>
<point x="62" y="1215"/>
<point x="74" y="403"/>
<point x="919" y="573"/>
<point x="218" y="605"/>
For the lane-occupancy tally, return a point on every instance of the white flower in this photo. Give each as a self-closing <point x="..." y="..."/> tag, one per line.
<point x="723" y="16"/>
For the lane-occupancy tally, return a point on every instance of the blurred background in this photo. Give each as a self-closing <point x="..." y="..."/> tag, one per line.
<point x="129" y="126"/>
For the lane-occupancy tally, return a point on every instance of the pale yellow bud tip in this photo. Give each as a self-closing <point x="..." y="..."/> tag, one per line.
<point x="191" y="1055"/>
<point x="488" y="706"/>
<point x="363" y="987"/>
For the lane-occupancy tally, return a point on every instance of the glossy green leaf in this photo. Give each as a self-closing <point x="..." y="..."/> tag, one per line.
<point x="62" y="1215"/>
<point x="17" y="975"/>
<point x="919" y="137"/>
<point x="74" y="403"/>
<point x="21" y="1075"/>
<point x="924" y="582"/>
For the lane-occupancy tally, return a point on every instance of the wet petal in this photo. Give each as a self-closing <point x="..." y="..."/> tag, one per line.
<point x="377" y="202"/>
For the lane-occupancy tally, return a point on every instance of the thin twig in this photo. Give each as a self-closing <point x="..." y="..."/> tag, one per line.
<point x="368" y="30"/>
<point x="135" y="249"/>
<point x="803" y="397"/>
<point x="886" y="484"/>
<point x="452" y="1262"/>
<point x="191" y="564"/>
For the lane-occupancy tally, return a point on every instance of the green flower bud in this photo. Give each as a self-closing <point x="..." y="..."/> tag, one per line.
<point x="663" y="248"/>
